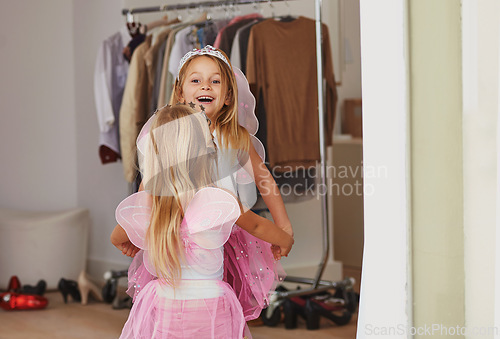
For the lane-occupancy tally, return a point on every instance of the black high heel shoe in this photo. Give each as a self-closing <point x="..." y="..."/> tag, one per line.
<point x="69" y="287"/>
<point x="39" y="289"/>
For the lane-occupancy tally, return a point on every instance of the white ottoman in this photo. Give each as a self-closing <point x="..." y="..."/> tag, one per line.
<point x="42" y="245"/>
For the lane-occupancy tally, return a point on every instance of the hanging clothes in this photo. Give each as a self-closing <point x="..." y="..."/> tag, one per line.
<point x="185" y="41"/>
<point x="233" y="21"/>
<point x="167" y="78"/>
<point x="208" y="31"/>
<point x="226" y="36"/>
<point x="281" y="70"/>
<point x="138" y="104"/>
<point x="267" y="50"/>
<point x="110" y="76"/>
<point x="134" y="109"/>
<point x="151" y="57"/>
<point x="239" y="48"/>
<point x="137" y="39"/>
<point x="160" y="97"/>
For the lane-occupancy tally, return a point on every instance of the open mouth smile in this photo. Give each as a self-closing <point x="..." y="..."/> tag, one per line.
<point x="205" y="99"/>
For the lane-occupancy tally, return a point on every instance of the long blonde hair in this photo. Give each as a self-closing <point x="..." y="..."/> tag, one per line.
<point x="176" y="164"/>
<point x="226" y="122"/>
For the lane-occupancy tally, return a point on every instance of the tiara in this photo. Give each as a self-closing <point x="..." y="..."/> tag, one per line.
<point x="207" y="50"/>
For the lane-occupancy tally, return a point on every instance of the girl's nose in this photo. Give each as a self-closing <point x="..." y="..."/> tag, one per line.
<point x="205" y="86"/>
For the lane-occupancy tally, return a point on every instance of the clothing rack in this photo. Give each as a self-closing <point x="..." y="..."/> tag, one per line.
<point x="317" y="285"/>
<point x="192" y="5"/>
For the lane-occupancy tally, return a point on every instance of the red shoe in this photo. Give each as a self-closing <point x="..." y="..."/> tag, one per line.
<point x="14" y="284"/>
<point x="15" y="301"/>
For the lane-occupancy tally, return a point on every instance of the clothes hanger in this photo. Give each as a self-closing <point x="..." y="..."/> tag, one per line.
<point x="203" y="17"/>
<point x="289" y="17"/>
<point x="133" y="25"/>
<point x="258" y="8"/>
<point x="157" y="23"/>
<point x="178" y="15"/>
<point x="209" y="14"/>
<point x="235" y="10"/>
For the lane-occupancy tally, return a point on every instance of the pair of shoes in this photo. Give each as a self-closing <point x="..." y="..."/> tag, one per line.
<point x="38" y="289"/>
<point x="109" y="290"/>
<point x="86" y="286"/>
<point x="69" y="287"/>
<point x="14" y="301"/>
<point x="15" y="286"/>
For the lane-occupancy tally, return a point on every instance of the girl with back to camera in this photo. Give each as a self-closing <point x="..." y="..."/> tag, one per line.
<point x="176" y="229"/>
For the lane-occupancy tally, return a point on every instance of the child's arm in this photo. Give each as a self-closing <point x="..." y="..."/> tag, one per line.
<point x="266" y="230"/>
<point x="121" y="241"/>
<point x="270" y="192"/>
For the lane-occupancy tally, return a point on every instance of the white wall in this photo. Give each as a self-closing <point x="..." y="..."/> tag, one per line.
<point x="481" y="40"/>
<point x="37" y="103"/>
<point x="100" y="187"/>
<point x="385" y="304"/>
<point x="50" y="134"/>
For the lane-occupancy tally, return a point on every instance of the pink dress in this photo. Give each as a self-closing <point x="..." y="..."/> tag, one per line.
<point x="226" y="277"/>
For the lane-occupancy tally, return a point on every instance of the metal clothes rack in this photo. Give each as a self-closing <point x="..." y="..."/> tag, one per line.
<point x="191" y="5"/>
<point x="317" y="285"/>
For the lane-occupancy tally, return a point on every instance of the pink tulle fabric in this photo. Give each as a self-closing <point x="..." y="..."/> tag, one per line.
<point x="138" y="276"/>
<point x="155" y="315"/>
<point x="210" y="305"/>
<point x="250" y="268"/>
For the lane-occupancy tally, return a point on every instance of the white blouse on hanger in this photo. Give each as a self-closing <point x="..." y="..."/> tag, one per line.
<point x="110" y="76"/>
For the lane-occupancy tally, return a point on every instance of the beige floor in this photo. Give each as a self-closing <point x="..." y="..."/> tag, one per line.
<point x="98" y="320"/>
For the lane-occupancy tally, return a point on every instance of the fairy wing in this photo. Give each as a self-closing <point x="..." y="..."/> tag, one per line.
<point x="246" y="103"/>
<point x="210" y="217"/>
<point x="134" y="215"/>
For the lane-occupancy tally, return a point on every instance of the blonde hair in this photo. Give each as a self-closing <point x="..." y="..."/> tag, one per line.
<point x="176" y="164"/>
<point x="226" y="121"/>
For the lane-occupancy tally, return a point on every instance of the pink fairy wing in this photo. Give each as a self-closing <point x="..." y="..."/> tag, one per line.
<point x="143" y="134"/>
<point x="204" y="261"/>
<point x="134" y="215"/>
<point x="143" y="140"/>
<point x="246" y="103"/>
<point x="247" y="193"/>
<point x="242" y="176"/>
<point x="210" y="217"/>
<point x="259" y="147"/>
<point x="244" y="173"/>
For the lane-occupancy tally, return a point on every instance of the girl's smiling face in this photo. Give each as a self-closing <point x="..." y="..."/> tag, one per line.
<point x="202" y="86"/>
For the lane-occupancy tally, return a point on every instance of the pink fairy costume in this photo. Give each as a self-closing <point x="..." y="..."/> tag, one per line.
<point x="226" y="274"/>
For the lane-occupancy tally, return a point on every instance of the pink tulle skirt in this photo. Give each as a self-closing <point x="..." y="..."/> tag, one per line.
<point x="194" y="309"/>
<point x="205" y="308"/>
<point x="252" y="272"/>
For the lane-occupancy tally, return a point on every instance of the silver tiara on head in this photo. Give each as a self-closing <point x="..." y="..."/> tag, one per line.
<point x="207" y="50"/>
